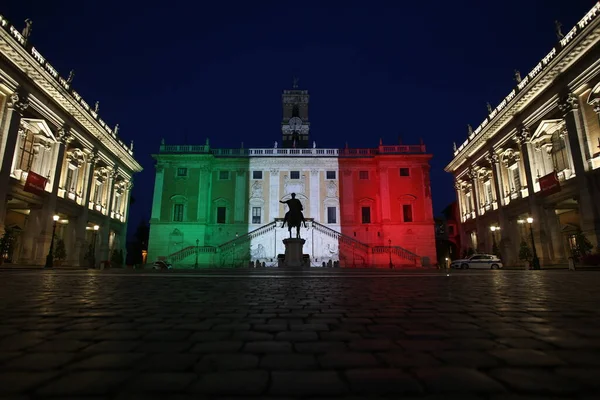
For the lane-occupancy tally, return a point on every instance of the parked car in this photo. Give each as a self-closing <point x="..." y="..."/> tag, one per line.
<point x="481" y="261"/>
<point x="162" y="265"/>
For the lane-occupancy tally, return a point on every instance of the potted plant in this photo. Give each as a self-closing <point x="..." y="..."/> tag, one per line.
<point x="525" y="253"/>
<point x="583" y="246"/>
<point x="60" y="252"/>
<point x="7" y="242"/>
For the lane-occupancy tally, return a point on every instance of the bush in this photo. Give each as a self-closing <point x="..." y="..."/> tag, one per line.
<point x="524" y="251"/>
<point x="590" y="259"/>
<point x="60" y="252"/>
<point x="583" y="246"/>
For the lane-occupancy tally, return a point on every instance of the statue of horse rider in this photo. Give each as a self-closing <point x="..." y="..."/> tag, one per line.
<point x="294" y="217"/>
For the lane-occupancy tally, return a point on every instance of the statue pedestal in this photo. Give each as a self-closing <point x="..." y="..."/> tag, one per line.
<point x="293" y="252"/>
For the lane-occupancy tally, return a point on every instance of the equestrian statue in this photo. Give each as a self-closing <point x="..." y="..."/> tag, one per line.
<point x="294" y="217"/>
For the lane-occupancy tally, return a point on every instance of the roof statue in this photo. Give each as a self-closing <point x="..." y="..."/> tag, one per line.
<point x="558" y="30"/>
<point x="27" y="30"/>
<point x="275" y="145"/>
<point x="518" y="76"/>
<point x="489" y="107"/>
<point x="314" y="144"/>
<point x="470" y="129"/>
<point x="131" y="146"/>
<point x="116" y="130"/>
<point x="97" y="107"/>
<point x="295" y="85"/>
<point x="454" y="145"/>
<point x="71" y="76"/>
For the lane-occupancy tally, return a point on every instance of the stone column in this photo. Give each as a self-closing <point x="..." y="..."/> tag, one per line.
<point x="104" y="232"/>
<point x="504" y="240"/>
<point x="461" y="211"/>
<point x="16" y="105"/>
<point x="80" y="249"/>
<point x="539" y="230"/>
<point x="348" y="211"/>
<point x="481" y="233"/>
<point x="241" y="197"/>
<point x="158" y="193"/>
<point x="49" y="206"/>
<point x="588" y="209"/>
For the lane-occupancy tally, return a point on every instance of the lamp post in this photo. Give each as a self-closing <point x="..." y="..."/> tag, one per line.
<point x="390" y="251"/>
<point x="535" y="260"/>
<point x="197" y="243"/>
<point x="50" y="256"/>
<point x="494" y="229"/>
<point x="96" y="227"/>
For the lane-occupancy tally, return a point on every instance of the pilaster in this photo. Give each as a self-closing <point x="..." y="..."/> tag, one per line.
<point x="384" y="187"/>
<point x="16" y="105"/>
<point x="158" y="192"/>
<point x="588" y="209"/>
<point x="241" y="196"/>
<point x="273" y="194"/>
<point x="315" y="195"/>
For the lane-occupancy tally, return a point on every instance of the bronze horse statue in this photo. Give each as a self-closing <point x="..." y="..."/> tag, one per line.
<point x="294" y="217"/>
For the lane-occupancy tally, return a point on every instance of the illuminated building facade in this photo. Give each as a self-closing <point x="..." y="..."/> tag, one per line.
<point x="537" y="155"/>
<point x="58" y="158"/>
<point x="221" y="207"/>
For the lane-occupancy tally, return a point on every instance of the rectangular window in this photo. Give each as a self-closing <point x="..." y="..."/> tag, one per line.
<point x="489" y="196"/>
<point x="515" y="180"/>
<point x="366" y="215"/>
<point x="330" y="174"/>
<point x="69" y="180"/>
<point x="451" y="230"/>
<point x="27" y="153"/>
<point x="182" y="171"/>
<point x="363" y="174"/>
<point x="178" y="212"/>
<point x="223" y="175"/>
<point x="256" y="174"/>
<point x="331" y="215"/>
<point x="294" y="174"/>
<point x="404" y="171"/>
<point x="98" y="194"/>
<point x="256" y="215"/>
<point x="407" y="212"/>
<point x="221" y="214"/>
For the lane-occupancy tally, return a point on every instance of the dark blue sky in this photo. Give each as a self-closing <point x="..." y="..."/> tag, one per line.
<point x="216" y="69"/>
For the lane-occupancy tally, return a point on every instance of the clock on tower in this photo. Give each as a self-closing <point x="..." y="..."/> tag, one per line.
<point x="295" y="125"/>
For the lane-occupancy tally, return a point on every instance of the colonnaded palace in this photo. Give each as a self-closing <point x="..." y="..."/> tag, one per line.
<point x="363" y="206"/>
<point x="537" y="156"/>
<point x="60" y="161"/>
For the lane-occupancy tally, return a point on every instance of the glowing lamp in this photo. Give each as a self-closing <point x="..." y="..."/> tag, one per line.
<point x="55" y="218"/>
<point x="529" y="220"/>
<point x="96" y="227"/>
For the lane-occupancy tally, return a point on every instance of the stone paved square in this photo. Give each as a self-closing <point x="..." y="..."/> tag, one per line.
<point x="275" y="334"/>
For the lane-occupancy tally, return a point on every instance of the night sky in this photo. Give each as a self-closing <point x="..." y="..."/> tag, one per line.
<point x="186" y="71"/>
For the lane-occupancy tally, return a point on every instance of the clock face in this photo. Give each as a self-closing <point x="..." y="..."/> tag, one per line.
<point x="295" y="123"/>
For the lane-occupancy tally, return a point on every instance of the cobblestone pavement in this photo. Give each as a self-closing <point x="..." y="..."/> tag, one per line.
<point x="282" y="335"/>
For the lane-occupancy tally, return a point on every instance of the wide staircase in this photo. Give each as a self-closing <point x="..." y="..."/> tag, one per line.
<point x="359" y="252"/>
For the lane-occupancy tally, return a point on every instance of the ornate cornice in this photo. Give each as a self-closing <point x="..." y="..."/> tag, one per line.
<point x="17" y="102"/>
<point x="568" y="103"/>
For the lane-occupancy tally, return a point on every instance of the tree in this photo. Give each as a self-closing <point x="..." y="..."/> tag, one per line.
<point x="60" y="252"/>
<point x="524" y="251"/>
<point x="7" y="243"/>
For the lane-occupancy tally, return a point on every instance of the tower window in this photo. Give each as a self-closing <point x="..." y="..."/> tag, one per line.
<point x="404" y="171"/>
<point x="223" y="175"/>
<point x="331" y="215"/>
<point x="178" y="212"/>
<point x="256" y="215"/>
<point x="366" y="215"/>
<point x="330" y="174"/>
<point x="294" y="174"/>
<point x="221" y="213"/>
<point x="407" y="212"/>
<point x="182" y="171"/>
<point x="256" y="174"/>
<point x="363" y="175"/>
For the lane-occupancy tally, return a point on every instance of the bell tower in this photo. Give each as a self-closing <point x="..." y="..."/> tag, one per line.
<point x="295" y="124"/>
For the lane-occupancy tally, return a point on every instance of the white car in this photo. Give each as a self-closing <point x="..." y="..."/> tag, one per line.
<point x="481" y="261"/>
<point x="162" y="265"/>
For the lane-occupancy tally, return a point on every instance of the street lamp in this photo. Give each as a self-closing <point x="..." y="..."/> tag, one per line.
<point x="390" y="248"/>
<point x="494" y="229"/>
<point x="50" y="256"/>
<point x="536" y="260"/>
<point x="96" y="227"/>
<point x="197" y="243"/>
